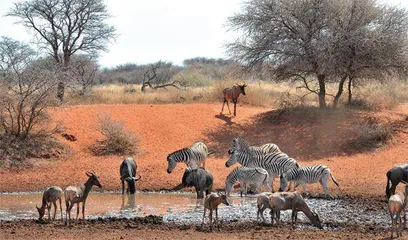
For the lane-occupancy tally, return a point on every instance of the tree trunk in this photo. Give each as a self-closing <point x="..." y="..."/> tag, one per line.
<point x="339" y="92"/>
<point x="322" y="90"/>
<point x="349" y="90"/>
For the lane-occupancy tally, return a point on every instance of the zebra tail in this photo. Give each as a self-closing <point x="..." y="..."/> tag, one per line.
<point x="334" y="180"/>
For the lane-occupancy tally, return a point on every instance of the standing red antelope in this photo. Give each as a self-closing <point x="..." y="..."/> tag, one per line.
<point x="211" y="203"/>
<point x="232" y="94"/>
<point x="77" y="194"/>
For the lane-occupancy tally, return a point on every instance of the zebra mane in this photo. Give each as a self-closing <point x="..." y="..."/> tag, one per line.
<point x="241" y="142"/>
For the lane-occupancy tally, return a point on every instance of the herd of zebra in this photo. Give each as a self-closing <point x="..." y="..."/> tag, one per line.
<point x="259" y="165"/>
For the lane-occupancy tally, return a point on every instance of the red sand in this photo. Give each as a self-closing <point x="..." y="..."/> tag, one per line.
<point x="162" y="129"/>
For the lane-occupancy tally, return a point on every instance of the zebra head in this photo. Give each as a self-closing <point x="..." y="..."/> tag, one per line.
<point x="233" y="158"/>
<point x="283" y="182"/>
<point x="171" y="163"/>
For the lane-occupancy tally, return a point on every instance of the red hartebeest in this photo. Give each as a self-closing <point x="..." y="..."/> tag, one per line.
<point x="232" y="94"/>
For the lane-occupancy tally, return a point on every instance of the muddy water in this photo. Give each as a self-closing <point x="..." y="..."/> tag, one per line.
<point x="184" y="208"/>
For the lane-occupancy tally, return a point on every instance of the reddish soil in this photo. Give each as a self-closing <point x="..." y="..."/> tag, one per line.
<point x="162" y="129"/>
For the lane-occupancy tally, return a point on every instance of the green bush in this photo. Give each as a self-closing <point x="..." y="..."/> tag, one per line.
<point x="192" y="78"/>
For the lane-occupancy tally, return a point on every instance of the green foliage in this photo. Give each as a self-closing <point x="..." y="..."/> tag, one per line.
<point x="192" y="78"/>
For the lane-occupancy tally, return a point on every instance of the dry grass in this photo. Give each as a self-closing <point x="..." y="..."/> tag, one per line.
<point x="367" y="96"/>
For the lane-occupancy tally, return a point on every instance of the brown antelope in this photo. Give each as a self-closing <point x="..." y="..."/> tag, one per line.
<point x="291" y="201"/>
<point x="79" y="194"/>
<point x="50" y="195"/>
<point x="396" y="207"/>
<point x="211" y="202"/>
<point x="232" y="94"/>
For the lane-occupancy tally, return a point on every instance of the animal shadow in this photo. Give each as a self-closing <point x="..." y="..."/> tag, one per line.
<point x="224" y="118"/>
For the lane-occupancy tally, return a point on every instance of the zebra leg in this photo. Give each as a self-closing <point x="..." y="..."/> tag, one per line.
<point x="55" y="209"/>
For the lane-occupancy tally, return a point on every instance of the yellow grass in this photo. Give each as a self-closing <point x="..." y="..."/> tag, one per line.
<point x="259" y="93"/>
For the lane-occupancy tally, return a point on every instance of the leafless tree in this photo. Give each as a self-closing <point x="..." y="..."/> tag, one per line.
<point x="83" y="71"/>
<point x="26" y="88"/>
<point x="321" y="41"/>
<point x="66" y="27"/>
<point x="158" y="75"/>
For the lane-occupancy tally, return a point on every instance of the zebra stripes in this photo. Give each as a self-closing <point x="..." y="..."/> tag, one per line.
<point x="192" y="157"/>
<point x="242" y="145"/>
<point x="275" y="163"/>
<point x="245" y="176"/>
<point x="305" y="175"/>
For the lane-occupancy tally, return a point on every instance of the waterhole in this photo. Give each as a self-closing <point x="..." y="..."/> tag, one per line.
<point x="184" y="208"/>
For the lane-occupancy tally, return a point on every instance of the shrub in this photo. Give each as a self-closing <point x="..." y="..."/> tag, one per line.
<point x="192" y="78"/>
<point x="371" y="134"/>
<point x="117" y="139"/>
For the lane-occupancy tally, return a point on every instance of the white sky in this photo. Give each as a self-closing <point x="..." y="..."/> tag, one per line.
<point x="152" y="30"/>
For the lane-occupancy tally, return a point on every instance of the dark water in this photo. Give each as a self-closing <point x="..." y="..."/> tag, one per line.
<point x="184" y="208"/>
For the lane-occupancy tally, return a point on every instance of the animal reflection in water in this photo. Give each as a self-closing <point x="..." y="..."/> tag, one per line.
<point x="130" y="203"/>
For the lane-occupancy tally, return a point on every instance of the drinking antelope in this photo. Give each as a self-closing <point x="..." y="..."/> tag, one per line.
<point x="50" y="195"/>
<point x="232" y="94"/>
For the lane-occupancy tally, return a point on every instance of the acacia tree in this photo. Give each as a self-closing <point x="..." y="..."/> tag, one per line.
<point x="320" y="41"/>
<point x="66" y="27"/>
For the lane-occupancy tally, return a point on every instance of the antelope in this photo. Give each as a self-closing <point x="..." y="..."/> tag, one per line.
<point x="232" y="94"/>
<point x="50" y="195"/>
<point x="211" y="202"/>
<point x="291" y="200"/>
<point x="263" y="203"/>
<point x="396" y="207"/>
<point x="79" y="194"/>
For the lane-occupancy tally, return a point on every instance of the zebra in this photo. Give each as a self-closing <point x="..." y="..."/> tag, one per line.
<point x="307" y="174"/>
<point x="241" y="144"/>
<point x="274" y="163"/>
<point x="247" y="175"/>
<point x="192" y="156"/>
<point x="232" y="94"/>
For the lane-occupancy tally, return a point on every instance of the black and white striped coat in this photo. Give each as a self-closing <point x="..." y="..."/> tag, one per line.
<point x="306" y="175"/>
<point x="245" y="176"/>
<point x="274" y="163"/>
<point x="242" y="145"/>
<point x="193" y="156"/>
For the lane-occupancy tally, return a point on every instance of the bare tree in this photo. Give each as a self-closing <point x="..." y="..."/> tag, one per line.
<point x="321" y="41"/>
<point x="26" y="88"/>
<point x="83" y="71"/>
<point x="158" y="75"/>
<point x="66" y="27"/>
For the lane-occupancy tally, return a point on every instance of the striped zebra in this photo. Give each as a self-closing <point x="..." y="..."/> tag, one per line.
<point x="275" y="163"/>
<point x="245" y="176"/>
<point x="192" y="156"/>
<point x="242" y="145"/>
<point x="305" y="175"/>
